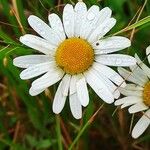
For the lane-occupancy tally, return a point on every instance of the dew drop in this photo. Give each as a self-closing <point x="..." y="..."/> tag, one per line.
<point x="42" y="32"/>
<point x="90" y="16"/>
<point x="67" y="22"/>
<point x="80" y="9"/>
<point x="106" y="29"/>
<point x="118" y="61"/>
<point x="57" y="22"/>
<point x="39" y="24"/>
<point x="100" y="90"/>
<point x="101" y="52"/>
<point x="66" y="17"/>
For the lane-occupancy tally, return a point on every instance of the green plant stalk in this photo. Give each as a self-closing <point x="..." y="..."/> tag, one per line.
<point x="58" y="131"/>
<point x="79" y="135"/>
<point x="85" y="127"/>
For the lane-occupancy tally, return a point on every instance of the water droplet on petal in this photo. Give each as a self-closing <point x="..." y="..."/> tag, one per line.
<point x="106" y="29"/>
<point x="101" y="52"/>
<point x="42" y="32"/>
<point x="100" y="89"/>
<point x="67" y="22"/>
<point x="39" y="24"/>
<point x="90" y="16"/>
<point x="66" y="17"/>
<point x="118" y="61"/>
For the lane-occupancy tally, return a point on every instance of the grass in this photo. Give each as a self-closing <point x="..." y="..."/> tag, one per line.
<point x="28" y="123"/>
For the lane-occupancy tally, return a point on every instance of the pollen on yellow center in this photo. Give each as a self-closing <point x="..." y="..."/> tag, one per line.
<point x="146" y="94"/>
<point x="74" y="55"/>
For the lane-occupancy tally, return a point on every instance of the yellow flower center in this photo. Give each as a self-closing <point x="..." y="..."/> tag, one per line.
<point x="146" y="94"/>
<point x="74" y="55"/>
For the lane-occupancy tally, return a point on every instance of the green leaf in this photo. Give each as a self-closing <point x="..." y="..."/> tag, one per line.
<point x="45" y="143"/>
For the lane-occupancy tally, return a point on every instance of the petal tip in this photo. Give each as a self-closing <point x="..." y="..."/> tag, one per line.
<point x="134" y="135"/>
<point x="31" y="92"/>
<point x="15" y="61"/>
<point x="55" y="111"/>
<point x="116" y="103"/>
<point x="110" y="101"/>
<point x="77" y="117"/>
<point x="31" y="17"/>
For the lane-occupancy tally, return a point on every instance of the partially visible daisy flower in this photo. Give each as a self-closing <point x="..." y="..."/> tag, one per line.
<point x="137" y="94"/>
<point x="76" y="53"/>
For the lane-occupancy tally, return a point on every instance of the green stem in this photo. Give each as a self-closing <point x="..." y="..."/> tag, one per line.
<point x="85" y="127"/>
<point x="58" y="131"/>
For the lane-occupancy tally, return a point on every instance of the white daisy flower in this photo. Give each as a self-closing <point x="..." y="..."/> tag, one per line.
<point x="137" y="94"/>
<point x="76" y="53"/>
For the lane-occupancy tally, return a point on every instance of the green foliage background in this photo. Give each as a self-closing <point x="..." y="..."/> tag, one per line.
<point x="28" y="123"/>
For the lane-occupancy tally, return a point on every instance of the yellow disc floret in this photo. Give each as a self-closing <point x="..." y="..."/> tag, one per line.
<point x="146" y="94"/>
<point x="74" y="55"/>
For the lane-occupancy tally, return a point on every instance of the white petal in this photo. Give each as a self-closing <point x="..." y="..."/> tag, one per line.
<point x="104" y="14"/>
<point x="68" y="20"/>
<point x="128" y="100"/>
<point x="80" y="12"/>
<point x="48" y="79"/>
<point x="34" y="92"/>
<point x="141" y="125"/>
<point x="90" y="22"/>
<point x="60" y="98"/>
<point x="82" y="91"/>
<point x="73" y="88"/>
<point x="112" y="88"/>
<point x="56" y="25"/>
<point x="116" y="60"/>
<point x="59" y="101"/>
<point x="37" y="43"/>
<point x="133" y="87"/>
<point x="102" y="29"/>
<point x="98" y="86"/>
<point x="44" y="30"/>
<point x="111" y="44"/>
<point x="110" y="73"/>
<point x="129" y="76"/>
<point x="130" y="92"/>
<point x="29" y="60"/>
<point x="148" y="53"/>
<point x="143" y="66"/>
<point x="36" y="70"/>
<point x="137" y="108"/>
<point x="75" y="106"/>
<point x="66" y="84"/>
<point x="137" y="71"/>
<point x="125" y="105"/>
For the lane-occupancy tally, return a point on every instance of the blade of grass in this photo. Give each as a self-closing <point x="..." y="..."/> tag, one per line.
<point x="8" y="13"/>
<point x="135" y="25"/>
<point x="58" y="131"/>
<point x="16" y="13"/>
<point x="85" y="127"/>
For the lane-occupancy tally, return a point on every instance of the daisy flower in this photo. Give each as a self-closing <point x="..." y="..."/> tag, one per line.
<point x="75" y="52"/>
<point x="137" y="94"/>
